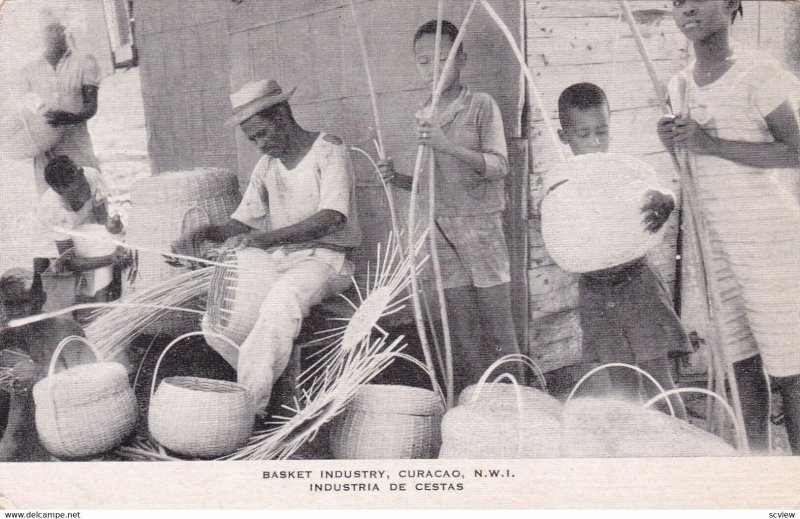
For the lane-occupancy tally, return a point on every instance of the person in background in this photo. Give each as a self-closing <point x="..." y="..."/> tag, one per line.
<point x="21" y="296"/>
<point x="626" y="312"/>
<point x="300" y="207"/>
<point x="76" y="197"/>
<point x="67" y="83"/>
<point x="737" y="122"/>
<point x="468" y="142"/>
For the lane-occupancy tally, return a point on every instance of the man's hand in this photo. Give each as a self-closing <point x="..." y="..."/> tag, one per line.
<point x="26" y="373"/>
<point x="386" y="169"/>
<point x="114" y="225"/>
<point x="59" y="117"/>
<point x="666" y="132"/>
<point x="688" y="133"/>
<point x="429" y="134"/>
<point x="121" y="256"/>
<point x="240" y="241"/>
<point x="657" y="208"/>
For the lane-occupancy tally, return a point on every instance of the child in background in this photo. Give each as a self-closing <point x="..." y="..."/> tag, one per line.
<point x="21" y="295"/>
<point x="737" y="120"/>
<point x="77" y="197"/>
<point x="469" y="145"/>
<point x="626" y="312"/>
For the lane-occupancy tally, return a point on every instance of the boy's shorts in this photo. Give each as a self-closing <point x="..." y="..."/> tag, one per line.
<point x="628" y="316"/>
<point x="472" y="251"/>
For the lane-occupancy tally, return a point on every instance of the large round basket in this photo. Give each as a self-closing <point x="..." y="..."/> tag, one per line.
<point x="592" y="217"/>
<point x="495" y="420"/>
<point x="199" y="417"/>
<point x="235" y="295"/>
<point x="601" y="427"/>
<point x="163" y="207"/>
<point x="388" y="422"/>
<point x="25" y="133"/>
<point x="84" y="410"/>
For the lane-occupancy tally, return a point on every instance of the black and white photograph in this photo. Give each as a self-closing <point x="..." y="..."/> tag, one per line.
<point x="391" y="252"/>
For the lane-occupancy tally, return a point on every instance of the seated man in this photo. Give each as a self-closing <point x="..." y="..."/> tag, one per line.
<point x="300" y="206"/>
<point x="77" y="197"/>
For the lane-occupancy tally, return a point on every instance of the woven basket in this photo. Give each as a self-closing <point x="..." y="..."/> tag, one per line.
<point x="388" y="422"/>
<point x="593" y="221"/>
<point x="163" y="207"/>
<point x="601" y="427"/>
<point x="84" y="410"/>
<point x="501" y="421"/>
<point x="235" y="296"/>
<point x="199" y="417"/>
<point x="25" y="133"/>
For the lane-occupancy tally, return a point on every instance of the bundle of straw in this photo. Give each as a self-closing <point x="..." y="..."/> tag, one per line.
<point x="327" y="397"/>
<point x="113" y="329"/>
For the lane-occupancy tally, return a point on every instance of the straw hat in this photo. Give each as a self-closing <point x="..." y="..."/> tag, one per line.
<point x="254" y="97"/>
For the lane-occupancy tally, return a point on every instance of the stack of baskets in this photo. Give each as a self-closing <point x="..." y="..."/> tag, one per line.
<point x="199" y="417"/>
<point x="388" y="422"/>
<point x="84" y="410"/>
<point x="592" y="215"/>
<point x="25" y="133"/>
<point x="165" y="206"/>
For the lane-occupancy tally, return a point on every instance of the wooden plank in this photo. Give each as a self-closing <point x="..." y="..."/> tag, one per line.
<point x="555" y="341"/>
<point x="583" y="8"/>
<point x="579" y="41"/>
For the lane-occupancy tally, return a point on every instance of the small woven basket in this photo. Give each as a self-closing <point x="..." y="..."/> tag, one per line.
<point x="235" y="296"/>
<point x="165" y="206"/>
<point x="199" y="417"/>
<point x="25" y="133"/>
<point x="593" y="220"/>
<point x="601" y="427"/>
<point x="84" y="410"/>
<point x="388" y="422"/>
<point x="501" y="421"/>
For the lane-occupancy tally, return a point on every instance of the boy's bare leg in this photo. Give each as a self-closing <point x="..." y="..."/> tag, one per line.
<point x="466" y="332"/>
<point x="754" y="397"/>
<point x="494" y="308"/>
<point x="661" y="370"/>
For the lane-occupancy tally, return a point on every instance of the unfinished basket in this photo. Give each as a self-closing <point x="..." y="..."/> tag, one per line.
<point x="163" y="207"/>
<point x="25" y="133"/>
<point x="199" y="417"/>
<point x="592" y="216"/>
<point x="501" y="421"/>
<point x="86" y="409"/>
<point x="602" y="427"/>
<point x="235" y="296"/>
<point x="388" y="422"/>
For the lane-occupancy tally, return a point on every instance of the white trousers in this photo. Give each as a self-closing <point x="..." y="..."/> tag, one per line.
<point x="264" y="355"/>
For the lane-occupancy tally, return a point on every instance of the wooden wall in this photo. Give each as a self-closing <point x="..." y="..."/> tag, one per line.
<point x="580" y="40"/>
<point x="184" y="61"/>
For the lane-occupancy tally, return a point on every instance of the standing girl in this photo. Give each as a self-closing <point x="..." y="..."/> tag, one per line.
<point x="737" y="118"/>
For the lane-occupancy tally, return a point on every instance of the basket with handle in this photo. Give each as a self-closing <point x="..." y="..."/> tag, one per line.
<point x="163" y="207"/>
<point x="199" y="417"/>
<point x="84" y="410"/>
<point x="597" y="427"/>
<point x="389" y="422"/>
<point x="495" y="420"/>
